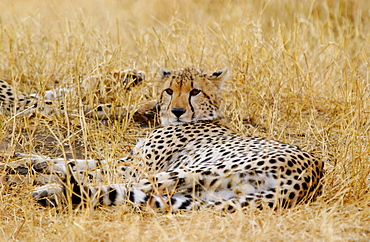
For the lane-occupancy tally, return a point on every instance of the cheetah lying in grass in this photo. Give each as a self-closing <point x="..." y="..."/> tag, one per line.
<point x="192" y="162"/>
<point x="52" y="101"/>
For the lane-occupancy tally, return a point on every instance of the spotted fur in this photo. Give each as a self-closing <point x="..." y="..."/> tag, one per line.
<point x="51" y="102"/>
<point x="15" y="102"/>
<point x="192" y="162"/>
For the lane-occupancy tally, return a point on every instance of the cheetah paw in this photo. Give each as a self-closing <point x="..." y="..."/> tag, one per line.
<point x="48" y="195"/>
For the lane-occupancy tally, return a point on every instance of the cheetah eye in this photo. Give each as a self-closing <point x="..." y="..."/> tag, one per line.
<point x="194" y="92"/>
<point x="169" y="91"/>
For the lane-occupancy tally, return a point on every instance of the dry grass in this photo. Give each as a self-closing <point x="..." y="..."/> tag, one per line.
<point x="300" y="72"/>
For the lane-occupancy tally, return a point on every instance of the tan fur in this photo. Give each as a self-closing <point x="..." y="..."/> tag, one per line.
<point x="203" y="106"/>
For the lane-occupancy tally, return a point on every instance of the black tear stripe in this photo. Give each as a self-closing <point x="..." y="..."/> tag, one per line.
<point x="168" y="107"/>
<point x="191" y="106"/>
<point x="161" y="98"/>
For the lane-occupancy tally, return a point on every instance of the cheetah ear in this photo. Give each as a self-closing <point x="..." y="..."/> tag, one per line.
<point x="163" y="72"/>
<point x="220" y="76"/>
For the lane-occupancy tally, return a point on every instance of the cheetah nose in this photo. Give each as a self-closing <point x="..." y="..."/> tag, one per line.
<point x="178" y="112"/>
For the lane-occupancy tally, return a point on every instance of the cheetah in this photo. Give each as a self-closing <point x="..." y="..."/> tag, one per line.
<point x="192" y="162"/>
<point x="51" y="102"/>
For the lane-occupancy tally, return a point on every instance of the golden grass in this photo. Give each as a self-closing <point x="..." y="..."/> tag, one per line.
<point x="300" y="72"/>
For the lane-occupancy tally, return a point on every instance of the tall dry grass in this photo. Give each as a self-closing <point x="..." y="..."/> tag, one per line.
<point x="300" y="75"/>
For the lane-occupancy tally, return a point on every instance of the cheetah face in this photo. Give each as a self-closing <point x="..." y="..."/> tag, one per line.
<point x="190" y="95"/>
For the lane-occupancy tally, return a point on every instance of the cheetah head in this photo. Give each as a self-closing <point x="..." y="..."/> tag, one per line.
<point x="190" y="95"/>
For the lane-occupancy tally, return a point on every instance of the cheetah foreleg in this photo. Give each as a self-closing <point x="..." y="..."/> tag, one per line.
<point x="47" y="169"/>
<point x="109" y="195"/>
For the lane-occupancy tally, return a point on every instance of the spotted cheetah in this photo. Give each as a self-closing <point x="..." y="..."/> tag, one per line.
<point x="193" y="162"/>
<point x="51" y="102"/>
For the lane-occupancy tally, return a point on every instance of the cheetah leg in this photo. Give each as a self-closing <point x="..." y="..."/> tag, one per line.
<point x="119" y="194"/>
<point x="180" y="179"/>
<point x="158" y="195"/>
<point x="188" y="199"/>
<point x="46" y="169"/>
<point x="190" y="190"/>
<point x="115" y="194"/>
<point x="145" y="112"/>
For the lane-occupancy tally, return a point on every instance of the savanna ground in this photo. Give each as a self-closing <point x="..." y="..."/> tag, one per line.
<point x="300" y="74"/>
